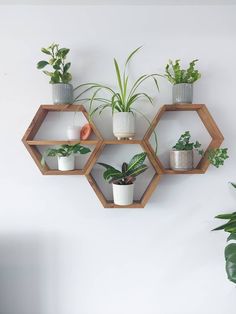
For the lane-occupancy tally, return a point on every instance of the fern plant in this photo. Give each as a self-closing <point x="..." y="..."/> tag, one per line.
<point x="176" y="75"/>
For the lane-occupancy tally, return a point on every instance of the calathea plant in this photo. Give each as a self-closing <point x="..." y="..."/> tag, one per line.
<point x="120" y="100"/>
<point x="65" y="154"/>
<point x="122" y="180"/>
<point x="59" y="73"/>
<point x="181" y="156"/>
<point x="129" y="171"/>
<point x="230" y="250"/>
<point x="182" y="80"/>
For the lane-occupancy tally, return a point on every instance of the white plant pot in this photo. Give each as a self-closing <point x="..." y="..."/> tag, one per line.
<point x="62" y="93"/>
<point x="181" y="160"/>
<point x="123" y="194"/>
<point x="66" y="163"/>
<point x="182" y="93"/>
<point x="124" y="125"/>
<point x="73" y="132"/>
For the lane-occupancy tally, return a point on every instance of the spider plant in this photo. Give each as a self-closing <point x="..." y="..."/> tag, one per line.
<point x="121" y="99"/>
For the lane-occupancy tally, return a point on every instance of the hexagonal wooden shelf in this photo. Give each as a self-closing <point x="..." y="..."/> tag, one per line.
<point x="149" y="190"/>
<point x="209" y="123"/>
<point x="31" y="144"/>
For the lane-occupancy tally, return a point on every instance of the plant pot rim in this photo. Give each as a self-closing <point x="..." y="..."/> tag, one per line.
<point x="182" y="150"/>
<point x="60" y="83"/>
<point x="183" y="84"/>
<point x="122" y="184"/>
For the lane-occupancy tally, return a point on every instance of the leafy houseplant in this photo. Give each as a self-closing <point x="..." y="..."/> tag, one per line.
<point x="123" y="180"/>
<point x="121" y="100"/>
<point x="230" y="250"/>
<point x="62" y="91"/>
<point x="181" y="155"/>
<point x="65" y="154"/>
<point x="182" y="80"/>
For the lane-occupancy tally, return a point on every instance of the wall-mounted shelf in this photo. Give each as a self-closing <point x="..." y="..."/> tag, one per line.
<point x="207" y="120"/>
<point x="31" y="144"/>
<point x="150" y="188"/>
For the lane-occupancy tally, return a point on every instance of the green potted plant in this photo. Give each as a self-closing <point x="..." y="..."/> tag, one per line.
<point x="123" y="180"/>
<point x="62" y="90"/>
<point x="65" y="155"/>
<point x="120" y="100"/>
<point x="182" y="80"/>
<point x="230" y="250"/>
<point x="181" y="155"/>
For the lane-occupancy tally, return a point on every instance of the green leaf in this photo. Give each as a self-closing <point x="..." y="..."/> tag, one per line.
<point x="226" y="216"/>
<point x="131" y="55"/>
<point x="118" y="77"/>
<point x="233" y="184"/>
<point x="46" y="51"/>
<point x="232" y="236"/>
<point x="42" y="64"/>
<point x="137" y="171"/>
<point x="231" y="267"/>
<point x="136" y="161"/>
<point x="229" y="250"/>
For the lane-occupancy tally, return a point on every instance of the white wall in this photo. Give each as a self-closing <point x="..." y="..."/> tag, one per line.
<point x="60" y="251"/>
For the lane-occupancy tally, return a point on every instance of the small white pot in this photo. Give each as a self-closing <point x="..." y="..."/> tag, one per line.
<point x="73" y="132"/>
<point x="181" y="160"/>
<point x="124" y="125"/>
<point x="123" y="194"/>
<point x="66" y="163"/>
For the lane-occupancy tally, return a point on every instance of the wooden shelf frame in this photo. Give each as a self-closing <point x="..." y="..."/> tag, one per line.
<point x="150" y="188"/>
<point x="207" y="120"/>
<point x="31" y="144"/>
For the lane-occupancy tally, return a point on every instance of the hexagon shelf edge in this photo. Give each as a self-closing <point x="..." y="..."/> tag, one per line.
<point x="150" y="188"/>
<point x="209" y="123"/>
<point x="31" y="144"/>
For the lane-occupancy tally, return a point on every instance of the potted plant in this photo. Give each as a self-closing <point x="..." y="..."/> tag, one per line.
<point x="181" y="155"/>
<point x="121" y="100"/>
<point x="182" y="80"/>
<point x="62" y="90"/>
<point x="65" y="155"/>
<point x="123" y="181"/>
<point x="230" y="250"/>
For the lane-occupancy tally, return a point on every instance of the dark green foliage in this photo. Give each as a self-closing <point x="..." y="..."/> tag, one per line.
<point x="59" y="73"/>
<point x="65" y="151"/>
<point x="129" y="171"/>
<point x="216" y="156"/>
<point x="230" y="250"/>
<point x="176" y="75"/>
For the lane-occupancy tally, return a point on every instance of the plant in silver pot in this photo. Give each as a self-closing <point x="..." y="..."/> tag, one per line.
<point x="120" y="100"/>
<point x="230" y="249"/>
<point x="182" y="80"/>
<point x="182" y="157"/>
<point x="123" y="181"/>
<point x="65" y="155"/>
<point x="62" y="90"/>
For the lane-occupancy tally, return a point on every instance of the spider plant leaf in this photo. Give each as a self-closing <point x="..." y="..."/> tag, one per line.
<point x="119" y="78"/>
<point x="136" y="161"/>
<point x="131" y="55"/>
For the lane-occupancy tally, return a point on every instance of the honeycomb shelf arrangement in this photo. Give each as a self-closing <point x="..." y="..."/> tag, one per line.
<point x="32" y="145"/>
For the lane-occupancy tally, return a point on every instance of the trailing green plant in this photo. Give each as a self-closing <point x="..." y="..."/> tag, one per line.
<point x="216" y="156"/>
<point x="57" y="61"/>
<point x="65" y="150"/>
<point x="176" y="75"/>
<point x="129" y="171"/>
<point x="230" y="249"/>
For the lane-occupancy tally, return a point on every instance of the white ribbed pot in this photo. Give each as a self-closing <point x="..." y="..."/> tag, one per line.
<point x="181" y="160"/>
<point x="62" y="93"/>
<point x="124" y="125"/>
<point x="73" y="132"/>
<point x="123" y="194"/>
<point x="66" y="163"/>
<point x="182" y="93"/>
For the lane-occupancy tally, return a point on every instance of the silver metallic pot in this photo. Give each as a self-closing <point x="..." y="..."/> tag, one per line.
<point x="181" y="160"/>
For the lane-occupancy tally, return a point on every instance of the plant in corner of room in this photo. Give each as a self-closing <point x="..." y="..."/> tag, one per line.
<point x="65" y="154"/>
<point x="121" y="101"/>
<point x="182" y="80"/>
<point x="181" y="156"/>
<point x="122" y="180"/>
<point x="59" y="75"/>
<point x="230" y="250"/>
